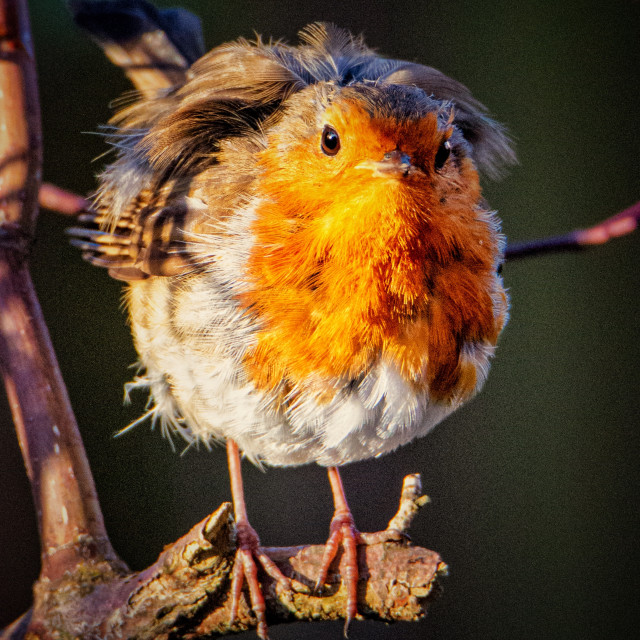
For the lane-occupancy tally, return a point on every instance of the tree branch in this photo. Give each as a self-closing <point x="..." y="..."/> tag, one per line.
<point x="69" y="516"/>
<point x="185" y="593"/>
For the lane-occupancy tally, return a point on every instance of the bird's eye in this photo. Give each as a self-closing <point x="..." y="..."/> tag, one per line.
<point x="442" y="155"/>
<point x="330" y="141"/>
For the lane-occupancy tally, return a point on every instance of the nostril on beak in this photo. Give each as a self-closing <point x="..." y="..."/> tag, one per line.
<point x="396" y="156"/>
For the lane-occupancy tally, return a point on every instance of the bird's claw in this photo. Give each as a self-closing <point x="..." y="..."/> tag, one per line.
<point x="245" y="568"/>
<point x="343" y="531"/>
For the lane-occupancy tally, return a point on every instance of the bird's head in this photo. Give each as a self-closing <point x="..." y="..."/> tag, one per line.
<point x="367" y="165"/>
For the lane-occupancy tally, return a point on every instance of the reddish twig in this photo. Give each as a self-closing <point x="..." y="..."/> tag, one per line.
<point x="618" y="225"/>
<point x="621" y="224"/>
<point x="61" y="201"/>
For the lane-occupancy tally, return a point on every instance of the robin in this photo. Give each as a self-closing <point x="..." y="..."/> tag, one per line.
<point x="313" y="274"/>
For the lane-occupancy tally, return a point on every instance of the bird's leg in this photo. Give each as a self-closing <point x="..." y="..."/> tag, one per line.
<point x="342" y="530"/>
<point x="248" y="551"/>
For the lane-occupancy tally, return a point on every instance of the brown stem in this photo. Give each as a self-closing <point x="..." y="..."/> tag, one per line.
<point x="20" y="131"/>
<point x="69" y="517"/>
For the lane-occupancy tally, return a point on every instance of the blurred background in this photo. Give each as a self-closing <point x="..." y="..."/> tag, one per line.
<point x="534" y="485"/>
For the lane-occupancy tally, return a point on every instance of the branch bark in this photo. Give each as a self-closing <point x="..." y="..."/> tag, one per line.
<point x="69" y="516"/>
<point x="185" y="593"/>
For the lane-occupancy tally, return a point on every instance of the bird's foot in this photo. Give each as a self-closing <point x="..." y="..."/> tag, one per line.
<point x="342" y="530"/>
<point x="245" y="568"/>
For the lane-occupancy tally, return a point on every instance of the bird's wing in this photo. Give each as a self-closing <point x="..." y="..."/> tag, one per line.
<point x="147" y="239"/>
<point x="154" y="47"/>
<point x="165" y="144"/>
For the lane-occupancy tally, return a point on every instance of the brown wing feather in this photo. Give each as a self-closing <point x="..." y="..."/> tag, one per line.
<point x="146" y="240"/>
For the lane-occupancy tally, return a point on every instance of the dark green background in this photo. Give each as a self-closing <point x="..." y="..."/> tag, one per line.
<point x="534" y="484"/>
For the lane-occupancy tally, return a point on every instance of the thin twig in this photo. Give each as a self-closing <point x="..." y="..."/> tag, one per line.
<point x="621" y="224"/>
<point x="411" y="500"/>
<point x="62" y="201"/>
<point x="616" y="226"/>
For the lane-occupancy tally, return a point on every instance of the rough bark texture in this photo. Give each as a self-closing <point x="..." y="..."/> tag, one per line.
<point x="185" y="593"/>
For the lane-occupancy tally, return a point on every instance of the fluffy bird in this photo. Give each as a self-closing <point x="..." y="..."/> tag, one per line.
<point x="313" y="274"/>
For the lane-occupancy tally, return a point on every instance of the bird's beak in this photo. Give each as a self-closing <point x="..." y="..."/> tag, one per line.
<point x="394" y="163"/>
